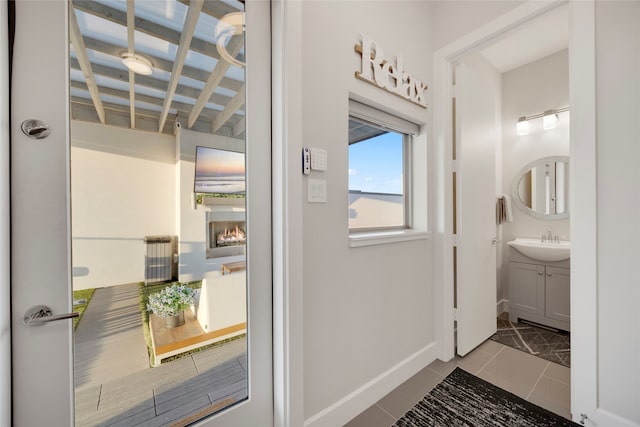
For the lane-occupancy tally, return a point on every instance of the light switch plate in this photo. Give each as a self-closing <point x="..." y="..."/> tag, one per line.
<point x="317" y="191"/>
<point x="318" y="159"/>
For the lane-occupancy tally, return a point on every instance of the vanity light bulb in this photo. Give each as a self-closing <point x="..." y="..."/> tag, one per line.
<point x="549" y="120"/>
<point x="522" y="128"/>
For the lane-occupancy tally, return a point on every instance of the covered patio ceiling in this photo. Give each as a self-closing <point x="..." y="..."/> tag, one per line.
<point x="190" y="83"/>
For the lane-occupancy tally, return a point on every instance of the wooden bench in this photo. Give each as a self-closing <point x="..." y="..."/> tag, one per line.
<point x="232" y="267"/>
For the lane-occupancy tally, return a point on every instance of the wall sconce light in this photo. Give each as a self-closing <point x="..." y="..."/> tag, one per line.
<point x="522" y="128"/>
<point x="549" y="120"/>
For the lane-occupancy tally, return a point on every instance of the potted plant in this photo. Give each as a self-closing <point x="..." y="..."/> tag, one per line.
<point x="170" y="303"/>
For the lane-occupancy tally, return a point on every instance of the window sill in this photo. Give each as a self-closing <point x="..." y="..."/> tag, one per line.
<point x="382" y="237"/>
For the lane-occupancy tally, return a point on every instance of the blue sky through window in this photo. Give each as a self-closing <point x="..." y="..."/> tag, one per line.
<point x="375" y="165"/>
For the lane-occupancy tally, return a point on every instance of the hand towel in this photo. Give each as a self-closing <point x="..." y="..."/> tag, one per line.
<point x="508" y="210"/>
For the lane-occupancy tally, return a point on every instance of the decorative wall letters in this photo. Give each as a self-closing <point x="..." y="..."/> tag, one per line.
<point x="380" y="72"/>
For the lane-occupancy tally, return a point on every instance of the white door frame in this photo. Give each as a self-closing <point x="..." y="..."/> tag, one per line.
<point x="286" y="27"/>
<point x="5" y="260"/>
<point x="583" y="174"/>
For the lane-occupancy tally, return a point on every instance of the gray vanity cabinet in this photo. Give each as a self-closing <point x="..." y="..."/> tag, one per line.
<point x="539" y="293"/>
<point x="526" y="288"/>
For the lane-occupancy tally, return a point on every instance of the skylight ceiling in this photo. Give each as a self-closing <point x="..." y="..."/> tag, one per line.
<point x="177" y="37"/>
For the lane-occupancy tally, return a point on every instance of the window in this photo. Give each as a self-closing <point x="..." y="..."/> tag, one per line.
<point x="379" y="169"/>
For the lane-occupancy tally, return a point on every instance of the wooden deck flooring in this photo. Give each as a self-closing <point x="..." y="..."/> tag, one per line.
<point x="171" y="394"/>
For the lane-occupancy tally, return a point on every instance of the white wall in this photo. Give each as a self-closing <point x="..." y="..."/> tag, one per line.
<point x="454" y="19"/>
<point x="528" y="90"/>
<point x="368" y="311"/>
<point x="122" y="189"/>
<point x="618" y="207"/>
<point x="129" y="184"/>
<point x="5" y="232"/>
<point x="191" y="222"/>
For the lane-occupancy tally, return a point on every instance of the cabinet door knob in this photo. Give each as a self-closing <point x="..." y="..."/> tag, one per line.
<point x="549" y="274"/>
<point x="540" y="273"/>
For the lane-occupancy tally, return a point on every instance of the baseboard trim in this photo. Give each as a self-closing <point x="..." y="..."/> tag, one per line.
<point x="502" y="306"/>
<point x="605" y="417"/>
<point x="363" y="397"/>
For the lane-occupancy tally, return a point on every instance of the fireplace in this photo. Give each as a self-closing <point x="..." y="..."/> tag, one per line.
<point x="226" y="233"/>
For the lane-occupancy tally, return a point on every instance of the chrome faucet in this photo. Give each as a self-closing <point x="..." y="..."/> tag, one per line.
<point x="549" y="237"/>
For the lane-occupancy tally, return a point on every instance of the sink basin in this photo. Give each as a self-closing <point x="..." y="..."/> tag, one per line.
<point x="543" y="251"/>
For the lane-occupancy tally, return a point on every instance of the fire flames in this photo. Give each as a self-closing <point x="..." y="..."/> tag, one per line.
<point x="230" y="237"/>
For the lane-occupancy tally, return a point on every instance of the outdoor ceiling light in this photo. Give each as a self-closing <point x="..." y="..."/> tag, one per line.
<point x="522" y="128"/>
<point x="229" y="25"/>
<point x="136" y="63"/>
<point x="549" y="119"/>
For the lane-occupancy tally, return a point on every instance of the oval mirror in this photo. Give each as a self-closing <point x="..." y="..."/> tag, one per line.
<point x="541" y="188"/>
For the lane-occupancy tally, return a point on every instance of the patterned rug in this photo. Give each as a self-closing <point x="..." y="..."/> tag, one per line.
<point x="546" y="344"/>
<point x="463" y="399"/>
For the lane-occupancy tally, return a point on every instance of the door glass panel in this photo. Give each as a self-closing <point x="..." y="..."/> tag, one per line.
<point x="159" y="229"/>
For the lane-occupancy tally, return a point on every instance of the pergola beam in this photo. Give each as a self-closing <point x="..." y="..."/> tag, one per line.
<point x="85" y="65"/>
<point x="239" y="128"/>
<point x="151" y="82"/>
<point x="195" y="6"/>
<point x="233" y="105"/>
<point x="131" y="27"/>
<point x="234" y="46"/>
<point x="150" y="28"/>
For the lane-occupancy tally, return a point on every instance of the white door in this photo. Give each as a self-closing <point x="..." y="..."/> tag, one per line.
<point x="43" y="380"/>
<point x="476" y="195"/>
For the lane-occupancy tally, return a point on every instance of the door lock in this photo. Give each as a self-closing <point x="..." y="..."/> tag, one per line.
<point x="35" y="129"/>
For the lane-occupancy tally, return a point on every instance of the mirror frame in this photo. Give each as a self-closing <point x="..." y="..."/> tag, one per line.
<point x="516" y="184"/>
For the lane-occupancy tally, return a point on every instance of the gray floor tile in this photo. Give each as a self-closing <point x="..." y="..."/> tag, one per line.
<point x="443" y="368"/>
<point x="400" y="400"/>
<point x="514" y="371"/>
<point x="372" y="417"/>
<point x="552" y="395"/>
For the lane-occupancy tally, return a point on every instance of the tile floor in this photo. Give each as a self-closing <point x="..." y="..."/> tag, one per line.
<point x="543" y="383"/>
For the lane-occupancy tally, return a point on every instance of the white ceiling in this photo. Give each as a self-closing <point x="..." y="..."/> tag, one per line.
<point x="542" y="37"/>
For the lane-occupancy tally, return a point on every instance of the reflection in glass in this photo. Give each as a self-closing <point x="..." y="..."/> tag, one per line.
<point x="159" y="246"/>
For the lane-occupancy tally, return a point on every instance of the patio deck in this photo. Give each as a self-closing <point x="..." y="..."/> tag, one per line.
<point x="114" y="386"/>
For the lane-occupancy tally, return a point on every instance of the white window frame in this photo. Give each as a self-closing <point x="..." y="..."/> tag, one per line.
<point x="388" y="121"/>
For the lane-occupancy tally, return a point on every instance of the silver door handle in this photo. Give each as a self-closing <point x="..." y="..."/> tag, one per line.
<point x="39" y="315"/>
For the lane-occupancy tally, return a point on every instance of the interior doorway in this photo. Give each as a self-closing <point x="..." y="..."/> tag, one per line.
<point x="444" y="59"/>
<point x="523" y="75"/>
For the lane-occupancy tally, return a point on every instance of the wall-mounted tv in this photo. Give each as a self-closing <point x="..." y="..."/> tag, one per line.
<point x="219" y="171"/>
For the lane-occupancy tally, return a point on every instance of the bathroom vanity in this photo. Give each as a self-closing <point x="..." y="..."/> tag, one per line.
<point x="539" y="291"/>
<point x="539" y="275"/>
